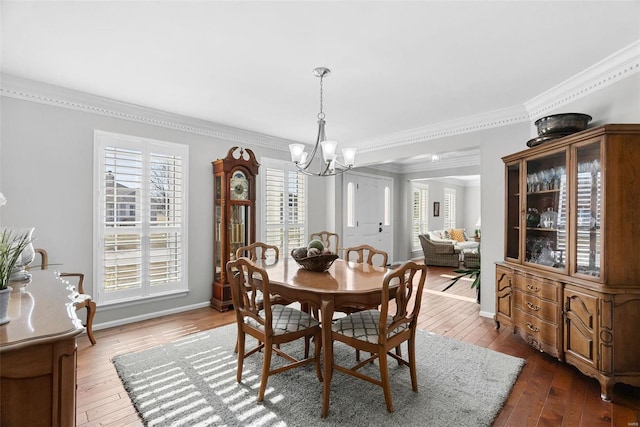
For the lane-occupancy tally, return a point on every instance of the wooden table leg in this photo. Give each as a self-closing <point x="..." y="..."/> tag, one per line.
<point x="326" y="307"/>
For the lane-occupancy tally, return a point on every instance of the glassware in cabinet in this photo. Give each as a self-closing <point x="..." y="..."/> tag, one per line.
<point x="546" y="210"/>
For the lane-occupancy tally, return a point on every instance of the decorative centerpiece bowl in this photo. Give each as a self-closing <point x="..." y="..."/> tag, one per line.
<point x="317" y="263"/>
<point x="565" y="123"/>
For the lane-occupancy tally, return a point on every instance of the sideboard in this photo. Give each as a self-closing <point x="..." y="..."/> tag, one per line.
<point x="569" y="284"/>
<point x="38" y="355"/>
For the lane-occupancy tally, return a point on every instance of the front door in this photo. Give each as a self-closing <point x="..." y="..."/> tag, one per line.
<point x="367" y="211"/>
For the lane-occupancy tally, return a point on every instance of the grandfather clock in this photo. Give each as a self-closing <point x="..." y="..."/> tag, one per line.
<point x="234" y="222"/>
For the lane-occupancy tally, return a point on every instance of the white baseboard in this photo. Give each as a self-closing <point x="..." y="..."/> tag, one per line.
<point x="487" y="314"/>
<point x="126" y="321"/>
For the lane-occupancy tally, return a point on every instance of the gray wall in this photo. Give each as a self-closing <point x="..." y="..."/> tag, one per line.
<point x="46" y="173"/>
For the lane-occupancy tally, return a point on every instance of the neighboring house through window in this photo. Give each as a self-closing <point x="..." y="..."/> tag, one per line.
<point x="140" y="217"/>
<point x="449" y="208"/>
<point x="420" y="220"/>
<point x="284" y="191"/>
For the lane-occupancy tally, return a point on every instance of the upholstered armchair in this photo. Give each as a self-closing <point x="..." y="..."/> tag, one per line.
<point x="439" y="253"/>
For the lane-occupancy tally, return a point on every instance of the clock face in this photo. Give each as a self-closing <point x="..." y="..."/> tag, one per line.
<point x="239" y="186"/>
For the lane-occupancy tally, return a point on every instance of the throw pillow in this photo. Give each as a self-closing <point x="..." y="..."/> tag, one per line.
<point x="446" y="234"/>
<point x="457" y="234"/>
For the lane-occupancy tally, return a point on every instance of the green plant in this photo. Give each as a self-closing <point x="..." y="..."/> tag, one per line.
<point x="471" y="273"/>
<point x="12" y="243"/>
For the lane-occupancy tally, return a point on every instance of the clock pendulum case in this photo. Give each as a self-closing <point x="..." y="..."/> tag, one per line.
<point x="234" y="216"/>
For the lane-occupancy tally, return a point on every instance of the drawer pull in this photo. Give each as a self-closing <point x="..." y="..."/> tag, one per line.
<point x="533" y="288"/>
<point x="533" y="307"/>
<point x="532" y="328"/>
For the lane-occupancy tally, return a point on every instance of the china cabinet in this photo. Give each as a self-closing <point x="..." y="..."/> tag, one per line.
<point x="570" y="280"/>
<point x="234" y="222"/>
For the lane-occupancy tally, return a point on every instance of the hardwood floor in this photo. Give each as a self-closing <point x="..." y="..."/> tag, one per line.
<point x="547" y="392"/>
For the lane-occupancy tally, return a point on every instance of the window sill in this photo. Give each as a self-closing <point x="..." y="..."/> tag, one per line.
<point x="138" y="300"/>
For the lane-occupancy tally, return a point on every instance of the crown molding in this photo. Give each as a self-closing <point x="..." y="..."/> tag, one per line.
<point x="616" y="67"/>
<point x="424" y="165"/>
<point x="29" y="90"/>
<point x="469" y="124"/>
<point x="612" y="69"/>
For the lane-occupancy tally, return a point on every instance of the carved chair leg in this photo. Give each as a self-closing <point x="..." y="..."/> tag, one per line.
<point x="91" y="312"/>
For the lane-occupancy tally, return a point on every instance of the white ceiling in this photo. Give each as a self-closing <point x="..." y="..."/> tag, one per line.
<point x="396" y="65"/>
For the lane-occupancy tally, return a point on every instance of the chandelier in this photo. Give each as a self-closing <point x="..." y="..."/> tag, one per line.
<point x="329" y="164"/>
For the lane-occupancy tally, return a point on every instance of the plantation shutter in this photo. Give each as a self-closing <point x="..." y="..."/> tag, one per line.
<point x="141" y="219"/>
<point x="122" y="256"/>
<point x="420" y="213"/>
<point x="449" y="208"/>
<point x="165" y="200"/>
<point x="297" y="208"/>
<point x="285" y="207"/>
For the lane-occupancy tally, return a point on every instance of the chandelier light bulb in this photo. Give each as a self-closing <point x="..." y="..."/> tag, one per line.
<point x="297" y="152"/>
<point x="349" y="155"/>
<point x="328" y="150"/>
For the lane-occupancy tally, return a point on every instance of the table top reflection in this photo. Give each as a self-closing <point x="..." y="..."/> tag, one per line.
<point x="41" y="311"/>
<point x="342" y="277"/>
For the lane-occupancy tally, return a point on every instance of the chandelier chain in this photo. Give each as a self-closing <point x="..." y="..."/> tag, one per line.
<point x="321" y="113"/>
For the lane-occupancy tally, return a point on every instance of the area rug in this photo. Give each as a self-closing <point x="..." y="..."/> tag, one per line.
<point x="192" y="382"/>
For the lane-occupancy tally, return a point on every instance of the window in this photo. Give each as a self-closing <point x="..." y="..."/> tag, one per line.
<point x="351" y="201"/>
<point x="420" y="222"/>
<point x="387" y="206"/>
<point x="284" y="190"/>
<point x="140" y="217"/>
<point x="449" y="208"/>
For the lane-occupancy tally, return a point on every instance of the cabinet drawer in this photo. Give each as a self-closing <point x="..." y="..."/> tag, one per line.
<point x="541" y="331"/>
<point x="542" y="288"/>
<point x="537" y="307"/>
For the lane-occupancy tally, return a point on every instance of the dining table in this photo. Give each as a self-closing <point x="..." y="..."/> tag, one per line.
<point x="344" y="284"/>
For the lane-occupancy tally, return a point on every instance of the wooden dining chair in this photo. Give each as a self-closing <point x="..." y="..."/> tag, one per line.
<point x="381" y="331"/>
<point x="330" y="240"/>
<point x="264" y="252"/>
<point x="79" y="297"/>
<point x="259" y="250"/>
<point x="366" y="254"/>
<point x="271" y="325"/>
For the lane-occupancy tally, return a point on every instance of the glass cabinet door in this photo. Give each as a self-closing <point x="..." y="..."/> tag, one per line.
<point x="217" y="242"/>
<point x="546" y="211"/>
<point x="239" y="230"/>
<point x="587" y="215"/>
<point x="513" y="216"/>
<point x="217" y="237"/>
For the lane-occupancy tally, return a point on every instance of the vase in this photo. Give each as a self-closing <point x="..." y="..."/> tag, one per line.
<point x="4" y="304"/>
<point x="549" y="218"/>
